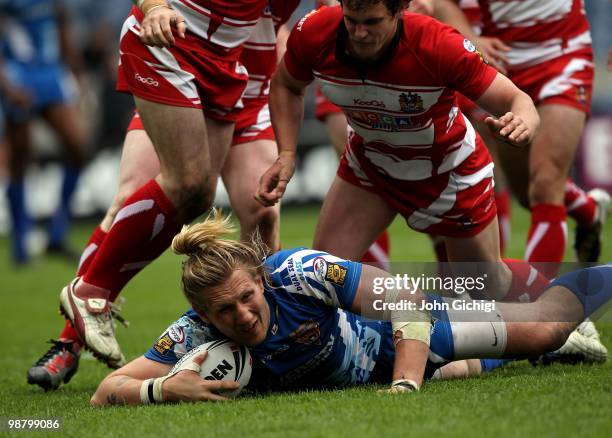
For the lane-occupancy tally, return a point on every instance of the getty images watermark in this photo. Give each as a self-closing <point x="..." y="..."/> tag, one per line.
<point x="456" y="291"/>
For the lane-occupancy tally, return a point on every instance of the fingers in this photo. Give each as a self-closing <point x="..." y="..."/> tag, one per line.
<point x="510" y="128"/>
<point x="156" y="27"/>
<point x="199" y="359"/>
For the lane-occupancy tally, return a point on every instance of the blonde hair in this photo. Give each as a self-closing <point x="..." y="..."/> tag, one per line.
<point x="212" y="260"/>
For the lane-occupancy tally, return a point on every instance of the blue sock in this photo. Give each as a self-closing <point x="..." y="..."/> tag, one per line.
<point x="490" y="364"/>
<point x="592" y="286"/>
<point x="61" y="218"/>
<point x="20" y="220"/>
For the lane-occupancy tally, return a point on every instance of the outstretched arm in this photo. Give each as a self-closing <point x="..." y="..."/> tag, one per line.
<point x="125" y="385"/>
<point x="286" y="112"/>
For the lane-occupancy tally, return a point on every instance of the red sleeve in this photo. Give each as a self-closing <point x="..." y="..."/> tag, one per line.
<point x="299" y="57"/>
<point x="462" y="67"/>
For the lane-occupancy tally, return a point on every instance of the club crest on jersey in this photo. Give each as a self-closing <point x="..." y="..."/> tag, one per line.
<point x="336" y="273"/>
<point x="308" y="333"/>
<point x="164" y="344"/>
<point x="411" y="103"/>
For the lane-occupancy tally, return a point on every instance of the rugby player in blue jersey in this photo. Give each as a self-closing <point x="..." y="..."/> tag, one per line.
<point x="301" y="313"/>
<point x="35" y="80"/>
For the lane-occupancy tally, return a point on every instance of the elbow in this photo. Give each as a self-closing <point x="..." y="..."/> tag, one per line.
<point x="95" y="401"/>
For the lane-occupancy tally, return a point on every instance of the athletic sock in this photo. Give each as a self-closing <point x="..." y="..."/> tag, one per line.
<point x="21" y="222"/>
<point x="579" y="205"/>
<point x="68" y="333"/>
<point x="592" y="286"/>
<point x="502" y="200"/>
<point x="95" y="241"/>
<point x="488" y="365"/>
<point x="61" y="218"/>
<point x="378" y="253"/>
<point x="547" y="237"/>
<point x="141" y="231"/>
<point x="527" y="283"/>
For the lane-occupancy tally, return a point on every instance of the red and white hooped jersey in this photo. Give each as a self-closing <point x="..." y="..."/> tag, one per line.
<point x="226" y="24"/>
<point x="404" y="109"/>
<point x="259" y="51"/>
<point x="537" y="30"/>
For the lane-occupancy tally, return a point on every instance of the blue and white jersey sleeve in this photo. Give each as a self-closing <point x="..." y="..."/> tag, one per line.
<point x="183" y="335"/>
<point x="322" y="277"/>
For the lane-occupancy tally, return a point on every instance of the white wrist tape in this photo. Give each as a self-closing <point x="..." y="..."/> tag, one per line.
<point x="405" y="385"/>
<point x="151" y="390"/>
<point x="408" y="324"/>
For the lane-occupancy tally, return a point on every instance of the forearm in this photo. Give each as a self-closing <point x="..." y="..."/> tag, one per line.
<point x="287" y="113"/>
<point x="448" y="12"/>
<point x="117" y="390"/>
<point x="410" y="360"/>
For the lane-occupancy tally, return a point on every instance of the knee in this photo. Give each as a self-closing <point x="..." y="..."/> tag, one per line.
<point x="546" y="184"/>
<point x="258" y="218"/>
<point x="195" y="196"/>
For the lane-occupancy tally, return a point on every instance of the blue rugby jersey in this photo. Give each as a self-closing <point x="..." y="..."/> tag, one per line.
<point x="313" y="339"/>
<point x="30" y="34"/>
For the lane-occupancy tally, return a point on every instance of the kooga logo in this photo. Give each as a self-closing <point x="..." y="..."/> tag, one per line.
<point x="376" y="103"/>
<point x="147" y="81"/>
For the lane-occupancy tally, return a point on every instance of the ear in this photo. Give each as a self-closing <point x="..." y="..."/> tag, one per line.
<point x="202" y="315"/>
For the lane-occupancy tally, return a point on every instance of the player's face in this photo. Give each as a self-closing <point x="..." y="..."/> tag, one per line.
<point x="370" y="30"/>
<point x="238" y="309"/>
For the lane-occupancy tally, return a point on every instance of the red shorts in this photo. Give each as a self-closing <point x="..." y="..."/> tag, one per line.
<point x="186" y="75"/>
<point x="565" y="80"/>
<point x="253" y="122"/>
<point x="324" y="107"/>
<point x="459" y="203"/>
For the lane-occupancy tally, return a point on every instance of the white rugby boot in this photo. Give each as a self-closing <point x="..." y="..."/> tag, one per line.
<point x="89" y="310"/>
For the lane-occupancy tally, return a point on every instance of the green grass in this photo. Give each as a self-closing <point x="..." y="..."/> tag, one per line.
<point x="515" y="401"/>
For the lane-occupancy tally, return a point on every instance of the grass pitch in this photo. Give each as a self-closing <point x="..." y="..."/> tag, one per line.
<point x="518" y="400"/>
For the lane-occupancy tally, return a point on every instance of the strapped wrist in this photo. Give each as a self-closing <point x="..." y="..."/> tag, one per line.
<point x="151" y="390"/>
<point x="147" y="6"/>
<point x="406" y="385"/>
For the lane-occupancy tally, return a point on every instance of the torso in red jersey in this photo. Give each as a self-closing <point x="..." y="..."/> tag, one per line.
<point x="410" y="140"/>
<point x="404" y="109"/>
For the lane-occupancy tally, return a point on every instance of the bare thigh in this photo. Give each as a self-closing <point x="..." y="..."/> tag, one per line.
<point x="191" y="151"/>
<point x="244" y="165"/>
<point x="350" y="220"/>
<point x="139" y="164"/>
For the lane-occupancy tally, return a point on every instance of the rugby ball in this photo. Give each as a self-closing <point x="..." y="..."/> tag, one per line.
<point x="226" y="360"/>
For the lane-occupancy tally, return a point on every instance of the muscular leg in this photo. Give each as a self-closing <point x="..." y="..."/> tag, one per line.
<point x="350" y="220"/>
<point x="139" y="164"/>
<point x="243" y="167"/>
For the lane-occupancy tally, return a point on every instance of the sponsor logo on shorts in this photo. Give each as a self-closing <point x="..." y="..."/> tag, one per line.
<point x="146" y="81"/>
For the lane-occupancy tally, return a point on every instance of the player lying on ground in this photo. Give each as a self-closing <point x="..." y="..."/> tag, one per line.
<point x="302" y="313"/>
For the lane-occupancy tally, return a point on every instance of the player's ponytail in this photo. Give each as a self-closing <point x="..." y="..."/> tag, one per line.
<point x="211" y="260"/>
